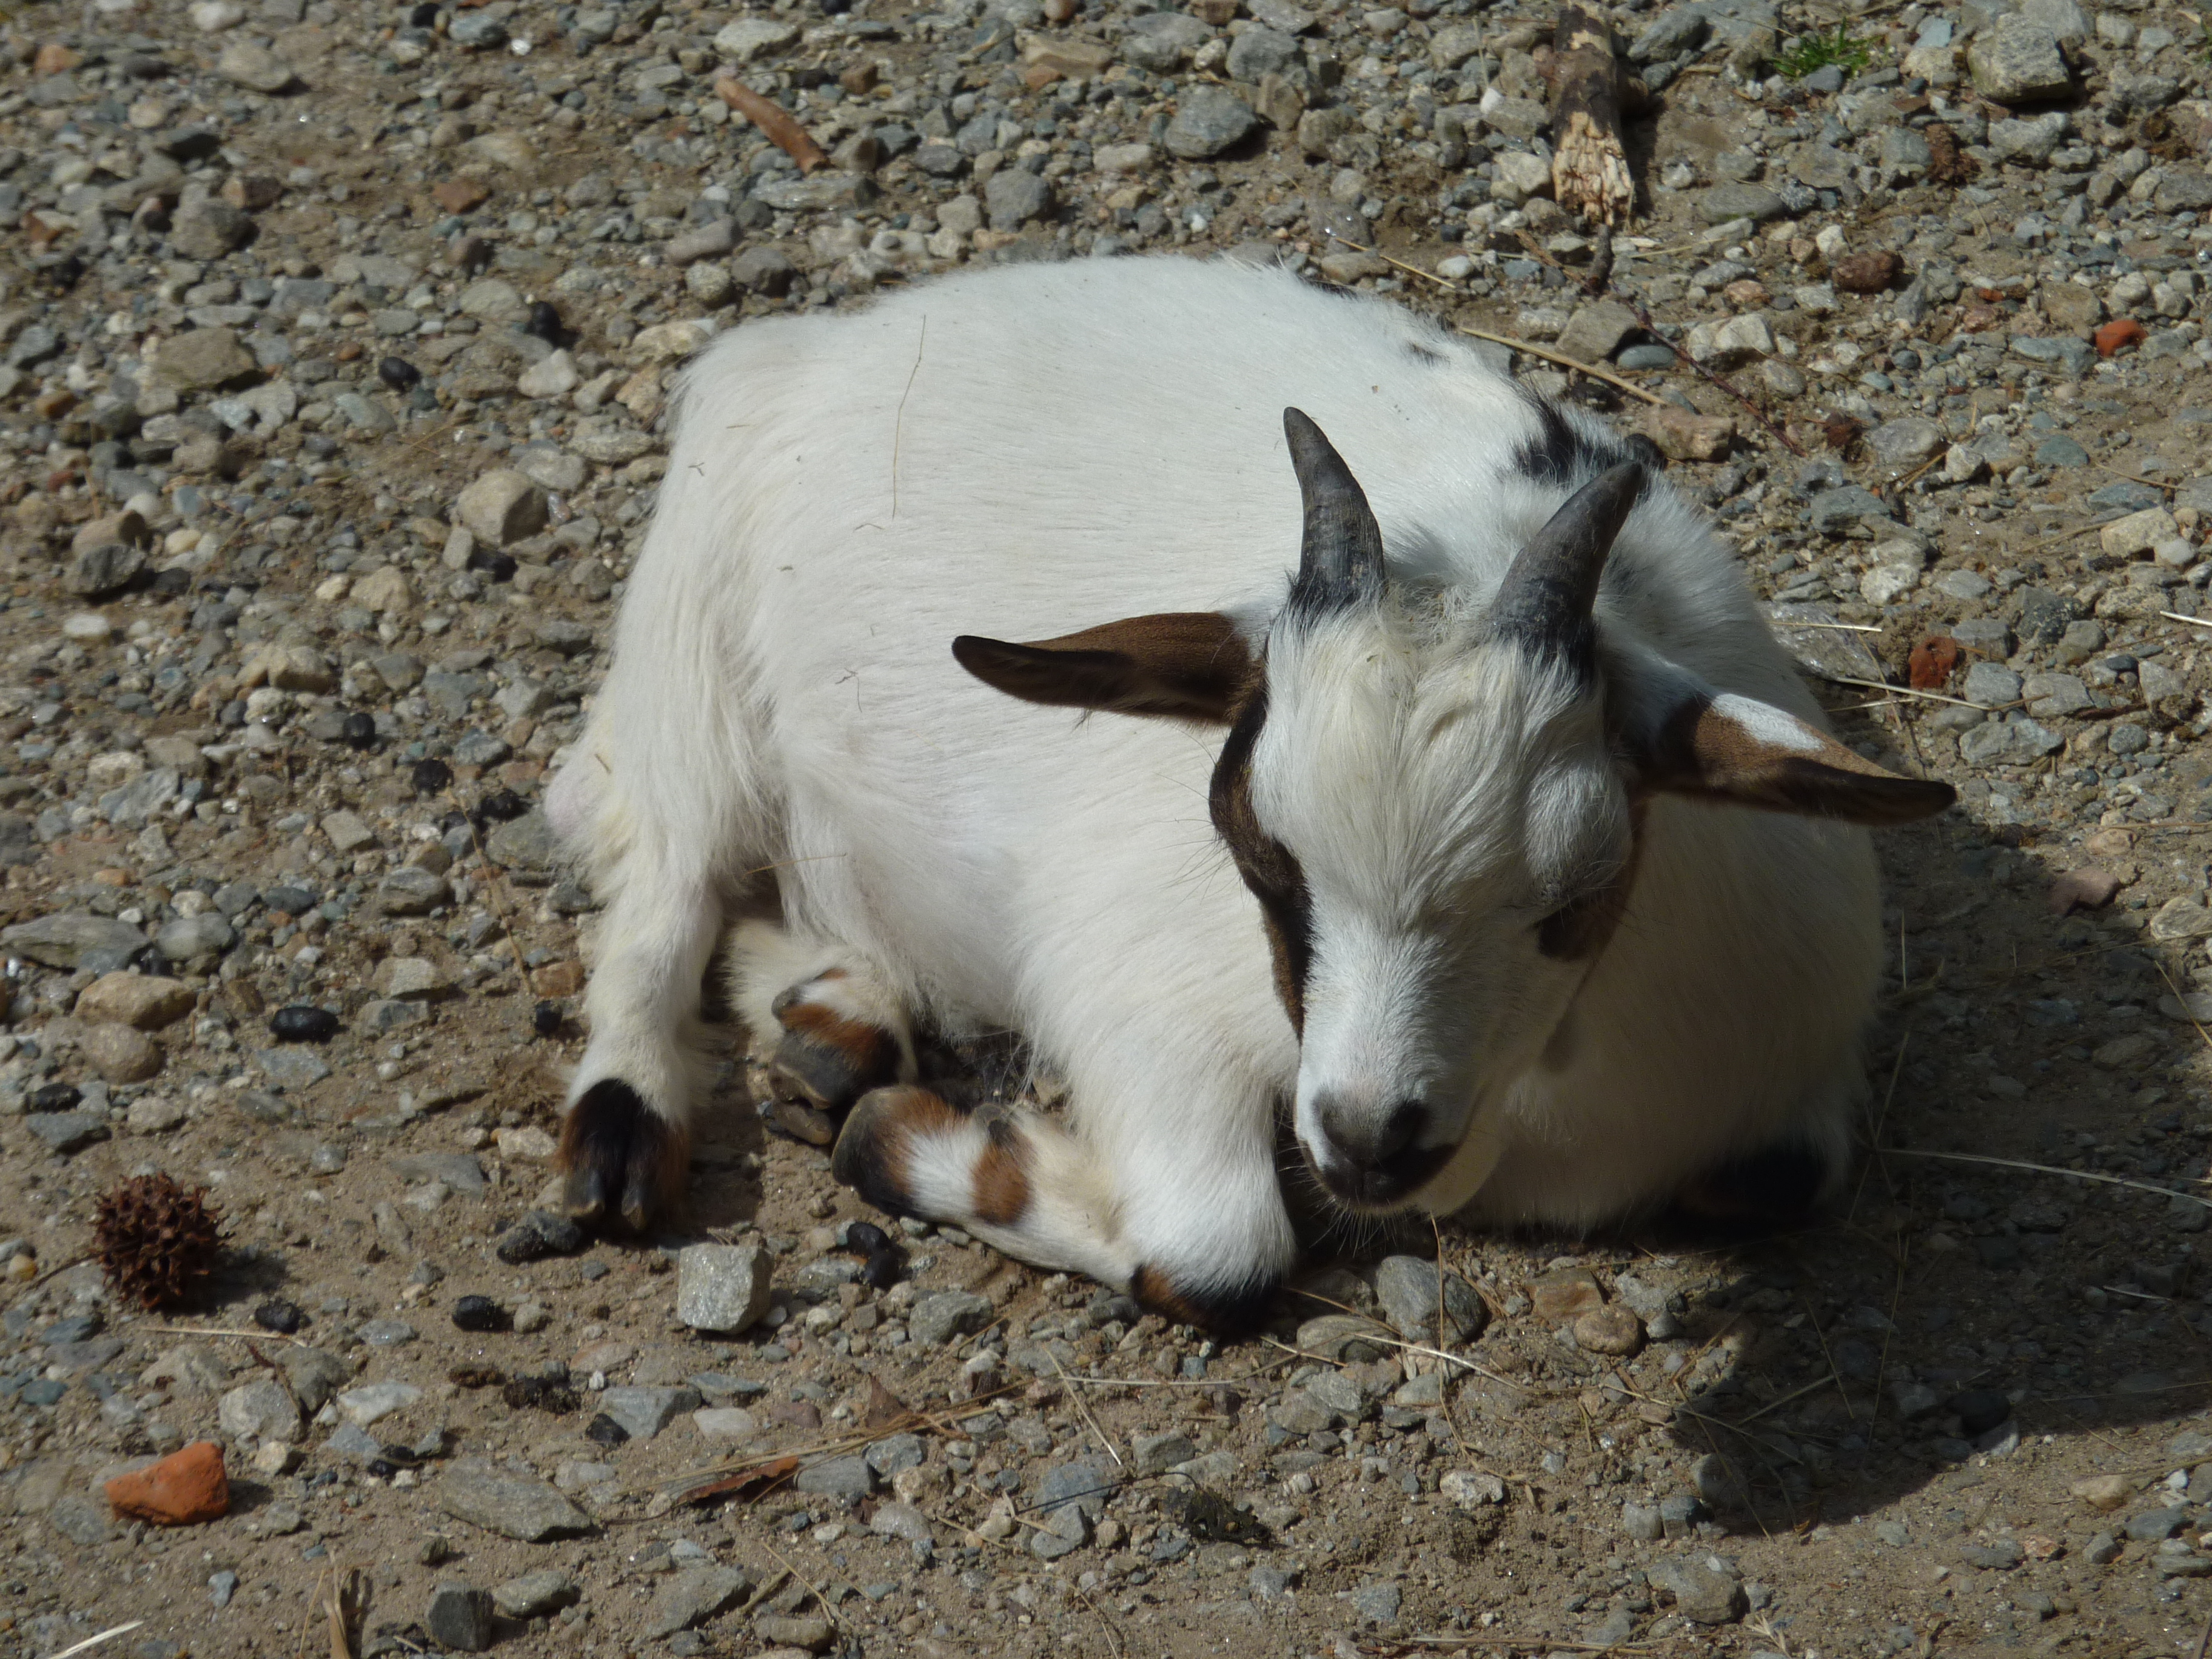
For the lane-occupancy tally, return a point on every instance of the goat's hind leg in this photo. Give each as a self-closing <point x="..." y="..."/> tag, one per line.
<point x="626" y="1143"/>
<point x="832" y="1026"/>
<point x="1197" y="1230"/>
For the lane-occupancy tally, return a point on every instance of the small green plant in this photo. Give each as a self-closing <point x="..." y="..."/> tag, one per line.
<point x="1817" y="52"/>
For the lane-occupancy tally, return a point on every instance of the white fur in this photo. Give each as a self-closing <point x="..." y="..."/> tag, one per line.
<point x="1068" y="444"/>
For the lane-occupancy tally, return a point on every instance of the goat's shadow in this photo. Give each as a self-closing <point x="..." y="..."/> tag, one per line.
<point x="1959" y="1304"/>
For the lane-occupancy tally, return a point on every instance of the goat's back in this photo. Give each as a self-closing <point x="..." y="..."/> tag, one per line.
<point x="1023" y="453"/>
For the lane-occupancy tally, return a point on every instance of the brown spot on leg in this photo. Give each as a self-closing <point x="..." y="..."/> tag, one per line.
<point x="872" y="1152"/>
<point x="1225" y="1313"/>
<point x="626" y="1164"/>
<point x="1002" y="1177"/>
<point x="828" y="1059"/>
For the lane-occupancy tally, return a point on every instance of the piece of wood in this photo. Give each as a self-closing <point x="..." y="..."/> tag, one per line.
<point x="781" y="129"/>
<point x="1589" y="163"/>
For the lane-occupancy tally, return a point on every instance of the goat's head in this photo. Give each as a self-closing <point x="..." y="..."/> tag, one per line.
<point x="1435" y="799"/>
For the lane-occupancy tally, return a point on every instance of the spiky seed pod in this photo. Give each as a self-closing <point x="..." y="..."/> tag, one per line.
<point x="154" y="1240"/>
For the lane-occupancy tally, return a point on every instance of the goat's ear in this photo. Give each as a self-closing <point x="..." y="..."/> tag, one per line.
<point x="1691" y="740"/>
<point x="1186" y="664"/>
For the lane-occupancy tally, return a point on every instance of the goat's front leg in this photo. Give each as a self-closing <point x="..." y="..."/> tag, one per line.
<point x="1177" y="1203"/>
<point x="626" y="1145"/>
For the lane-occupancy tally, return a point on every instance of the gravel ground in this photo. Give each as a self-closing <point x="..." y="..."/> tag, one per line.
<point x="333" y="351"/>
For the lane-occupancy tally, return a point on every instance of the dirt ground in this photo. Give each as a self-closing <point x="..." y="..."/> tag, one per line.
<point x="1964" y="1413"/>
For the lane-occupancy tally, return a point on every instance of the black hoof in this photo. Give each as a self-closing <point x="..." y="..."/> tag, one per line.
<point x="1235" y="1311"/>
<point x="626" y="1164"/>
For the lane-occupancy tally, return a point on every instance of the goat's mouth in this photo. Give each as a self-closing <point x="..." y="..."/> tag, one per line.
<point x="1389" y="1183"/>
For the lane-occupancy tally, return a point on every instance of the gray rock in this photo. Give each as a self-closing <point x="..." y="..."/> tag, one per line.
<point x="2028" y="140"/>
<point x="1705" y="1592"/>
<point x="502" y="508"/>
<point x="2102" y="1549"/>
<point x="2071" y="357"/>
<point x="1015" y="196"/>
<point x="106" y="569"/>
<point x="63" y="1133"/>
<point x="253" y="67"/>
<point x="693" y="1597"/>
<point x="1640" y="1521"/>
<point x="2017" y="61"/>
<point x="1155" y="1454"/>
<point x="388" y="1332"/>
<point x="65" y="940"/>
<point x="1595" y="332"/>
<point x="646" y="1411"/>
<point x="315" y="1374"/>
<point x="80" y="1518"/>
<point x="525" y="845"/>
<point x="411" y="890"/>
<point x="261" y="1408"/>
<point x="1261" y="52"/>
<point x="1834" y="511"/>
<point x="292" y="1067"/>
<point x="1163" y="41"/>
<point x="895" y="1452"/>
<point x="1062" y="1532"/>
<point x="1904" y="442"/>
<point x="1378" y="1604"/>
<point x="514" y="1506"/>
<point x="1084" y="1485"/>
<point x="2148" y="1526"/>
<point x="900" y="1521"/>
<point x="462" y="1171"/>
<point x="722" y="1287"/>
<point x="1904" y="153"/>
<point x="2007" y="742"/>
<point x="1208" y="121"/>
<point x="1991" y="685"/>
<point x="763" y="269"/>
<point x="937" y="1319"/>
<point x="1411" y="1291"/>
<point x="195" y="938"/>
<point x="459" y="1616"/>
<point x="849" y="1478"/>
<point x="210" y="229"/>
<point x="2184" y="191"/>
<point x="535" y="1594"/>
<point x="709" y="241"/>
<point x="1725" y="203"/>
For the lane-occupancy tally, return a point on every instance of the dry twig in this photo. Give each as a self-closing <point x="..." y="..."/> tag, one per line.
<point x="776" y="124"/>
<point x="1564" y="362"/>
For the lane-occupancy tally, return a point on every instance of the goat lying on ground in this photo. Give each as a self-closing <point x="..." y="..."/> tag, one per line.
<point x="1499" y="842"/>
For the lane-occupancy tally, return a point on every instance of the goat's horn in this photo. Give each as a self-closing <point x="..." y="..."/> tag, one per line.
<point x="1548" y="594"/>
<point x="1340" y="562"/>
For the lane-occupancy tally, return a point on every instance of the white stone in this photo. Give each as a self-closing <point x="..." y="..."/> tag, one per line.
<point x="556" y="376"/>
<point x="365" y="1404"/>
<point x="725" y="1423"/>
<point x="2138" y="532"/>
<point x="722" y="1287"/>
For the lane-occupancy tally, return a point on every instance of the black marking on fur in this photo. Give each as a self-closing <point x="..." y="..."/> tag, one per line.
<point x="1565" y="454"/>
<point x="627" y="1165"/>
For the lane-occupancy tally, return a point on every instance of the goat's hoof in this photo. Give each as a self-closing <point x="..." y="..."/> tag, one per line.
<point x="826" y="1059"/>
<point x="626" y="1164"/>
<point x="800" y="1121"/>
<point x="1234" y="1309"/>
<point x="875" y="1151"/>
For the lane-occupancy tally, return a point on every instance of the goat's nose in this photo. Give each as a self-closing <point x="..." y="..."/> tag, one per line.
<point x="1364" y="1140"/>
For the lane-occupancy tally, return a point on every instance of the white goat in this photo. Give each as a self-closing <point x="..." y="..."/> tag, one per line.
<point x="1488" y="791"/>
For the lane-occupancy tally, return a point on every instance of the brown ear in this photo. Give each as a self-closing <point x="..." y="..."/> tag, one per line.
<point x="1186" y="664"/>
<point x="1732" y="748"/>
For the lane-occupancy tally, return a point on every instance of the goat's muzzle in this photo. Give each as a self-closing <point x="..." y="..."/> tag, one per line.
<point x="1373" y="1164"/>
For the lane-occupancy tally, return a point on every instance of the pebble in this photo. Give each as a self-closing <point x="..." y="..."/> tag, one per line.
<point x="183" y="1489"/>
<point x="514" y="1506"/>
<point x="694" y="1595"/>
<point x="460" y="1617"/>
<point x="535" y="1594"/>
<point x="724" y="1288"/>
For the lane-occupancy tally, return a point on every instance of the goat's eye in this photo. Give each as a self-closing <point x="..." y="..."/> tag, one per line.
<point x="1580" y="926"/>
